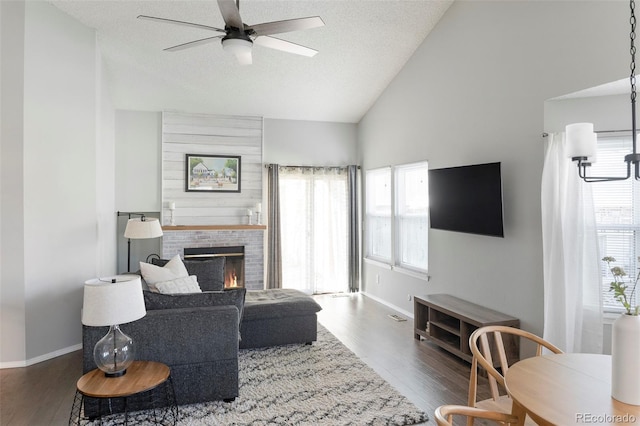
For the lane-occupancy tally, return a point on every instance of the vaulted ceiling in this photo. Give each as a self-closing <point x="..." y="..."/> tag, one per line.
<point x="361" y="47"/>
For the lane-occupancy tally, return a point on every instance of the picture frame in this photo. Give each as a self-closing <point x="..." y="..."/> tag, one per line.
<point x="212" y="173"/>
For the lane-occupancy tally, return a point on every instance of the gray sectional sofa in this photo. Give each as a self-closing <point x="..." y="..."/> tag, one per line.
<point x="198" y="343"/>
<point x="278" y="317"/>
<point x="198" y="335"/>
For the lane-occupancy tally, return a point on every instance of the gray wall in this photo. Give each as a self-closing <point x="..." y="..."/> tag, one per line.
<point x="474" y="92"/>
<point x="138" y="162"/>
<point x="309" y="143"/>
<point x="605" y="112"/>
<point x="12" y="286"/>
<point x="138" y="179"/>
<point x="59" y="154"/>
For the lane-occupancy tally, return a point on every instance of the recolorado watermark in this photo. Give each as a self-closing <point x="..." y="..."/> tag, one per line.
<point x="591" y="418"/>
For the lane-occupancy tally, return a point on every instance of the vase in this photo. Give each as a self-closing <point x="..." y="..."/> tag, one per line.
<point x="625" y="359"/>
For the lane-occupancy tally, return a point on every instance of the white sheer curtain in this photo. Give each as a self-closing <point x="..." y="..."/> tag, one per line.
<point x="314" y="228"/>
<point x="572" y="281"/>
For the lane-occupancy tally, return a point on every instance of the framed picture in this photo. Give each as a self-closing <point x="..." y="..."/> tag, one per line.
<point x="212" y="173"/>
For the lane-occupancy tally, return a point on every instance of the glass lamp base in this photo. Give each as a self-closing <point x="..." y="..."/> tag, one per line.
<point x="117" y="374"/>
<point x="114" y="352"/>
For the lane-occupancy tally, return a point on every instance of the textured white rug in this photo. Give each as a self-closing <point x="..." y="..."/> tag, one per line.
<point x="320" y="384"/>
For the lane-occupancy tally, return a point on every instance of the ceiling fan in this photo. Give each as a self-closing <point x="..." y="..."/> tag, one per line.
<point x="238" y="38"/>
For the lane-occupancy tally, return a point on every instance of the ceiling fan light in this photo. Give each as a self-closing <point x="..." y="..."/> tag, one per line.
<point x="238" y="47"/>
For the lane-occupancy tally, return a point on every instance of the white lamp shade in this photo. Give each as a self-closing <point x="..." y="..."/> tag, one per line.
<point x="581" y="140"/>
<point x="110" y="303"/>
<point x="142" y="229"/>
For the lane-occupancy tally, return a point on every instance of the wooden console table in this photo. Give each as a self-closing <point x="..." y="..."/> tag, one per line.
<point x="448" y="322"/>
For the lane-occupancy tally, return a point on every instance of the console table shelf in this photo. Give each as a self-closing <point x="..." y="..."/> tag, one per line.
<point x="449" y="322"/>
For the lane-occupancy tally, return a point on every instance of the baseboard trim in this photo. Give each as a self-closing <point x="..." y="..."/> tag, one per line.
<point x="41" y="358"/>
<point x="387" y="304"/>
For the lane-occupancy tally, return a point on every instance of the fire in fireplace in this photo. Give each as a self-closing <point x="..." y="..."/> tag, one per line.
<point x="233" y="265"/>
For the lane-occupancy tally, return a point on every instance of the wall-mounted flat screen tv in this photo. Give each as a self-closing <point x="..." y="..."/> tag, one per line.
<point x="467" y="199"/>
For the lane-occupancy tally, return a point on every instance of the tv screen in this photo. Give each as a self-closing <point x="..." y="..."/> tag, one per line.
<point x="467" y="199"/>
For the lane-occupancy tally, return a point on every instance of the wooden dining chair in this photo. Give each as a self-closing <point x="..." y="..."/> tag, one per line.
<point x="487" y="345"/>
<point x="445" y="415"/>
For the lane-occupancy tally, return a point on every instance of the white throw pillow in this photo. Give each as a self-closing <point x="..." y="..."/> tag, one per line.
<point x="153" y="274"/>
<point x="179" y="285"/>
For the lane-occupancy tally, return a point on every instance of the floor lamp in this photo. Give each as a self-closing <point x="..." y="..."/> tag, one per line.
<point x="138" y="229"/>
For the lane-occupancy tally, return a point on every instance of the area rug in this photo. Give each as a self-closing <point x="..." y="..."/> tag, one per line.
<point x="320" y="384"/>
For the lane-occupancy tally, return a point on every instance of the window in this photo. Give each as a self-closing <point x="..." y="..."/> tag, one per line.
<point x="314" y="222"/>
<point x="378" y="214"/>
<point x="397" y="216"/>
<point x="412" y="213"/>
<point x="617" y="208"/>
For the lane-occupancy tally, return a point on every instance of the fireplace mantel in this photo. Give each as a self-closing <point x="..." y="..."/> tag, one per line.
<point x="214" y="227"/>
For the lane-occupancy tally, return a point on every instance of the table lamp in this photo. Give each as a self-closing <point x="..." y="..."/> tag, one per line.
<point x="140" y="228"/>
<point x="110" y="302"/>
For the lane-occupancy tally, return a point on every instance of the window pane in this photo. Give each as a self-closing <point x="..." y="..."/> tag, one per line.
<point x="330" y="233"/>
<point x="378" y="214"/>
<point x="295" y="193"/>
<point x="314" y="221"/>
<point x="412" y="210"/>
<point x="616" y="209"/>
<point x="619" y="244"/>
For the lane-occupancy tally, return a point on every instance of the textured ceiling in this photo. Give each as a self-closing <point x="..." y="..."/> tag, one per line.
<point x="362" y="46"/>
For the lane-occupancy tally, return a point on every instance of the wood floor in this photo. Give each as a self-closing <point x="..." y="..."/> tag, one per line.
<point x="42" y="394"/>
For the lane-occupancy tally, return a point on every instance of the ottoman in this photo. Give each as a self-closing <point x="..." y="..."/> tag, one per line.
<point x="278" y="317"/>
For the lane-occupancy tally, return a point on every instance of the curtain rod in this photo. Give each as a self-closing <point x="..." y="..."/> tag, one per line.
<point x="545" y="134"/>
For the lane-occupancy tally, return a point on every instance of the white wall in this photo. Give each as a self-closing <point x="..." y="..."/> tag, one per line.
<point x="12" y="310"/>
<point x="138" y="179"/>
<point x="105" y="175"/>
<point x="605" y="112"/>
<point x="210" y="134"/>
<point x="474" y="92"/>
<point x="309" y="143"/>
<point x="66" y="122"/>
<point x="138" y="161"/>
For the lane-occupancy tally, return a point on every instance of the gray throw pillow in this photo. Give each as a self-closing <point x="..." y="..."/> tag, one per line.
<point x="208" y="272"/>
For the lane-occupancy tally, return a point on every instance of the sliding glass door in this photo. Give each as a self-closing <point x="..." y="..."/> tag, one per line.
<point x="314" y="222"/>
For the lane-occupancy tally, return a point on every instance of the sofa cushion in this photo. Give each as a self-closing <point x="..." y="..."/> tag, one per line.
<point x="233" y="296"/>
<point x="209" y="272"/>
<point x="278" y="303"/>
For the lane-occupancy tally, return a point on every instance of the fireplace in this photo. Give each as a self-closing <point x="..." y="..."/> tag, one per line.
<point x="233" y="265"/>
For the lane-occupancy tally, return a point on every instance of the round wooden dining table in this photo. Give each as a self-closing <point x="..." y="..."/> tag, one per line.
<point x="567" y="389"/>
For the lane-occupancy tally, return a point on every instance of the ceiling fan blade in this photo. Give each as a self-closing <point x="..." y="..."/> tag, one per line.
<point x="192" y="44"/>
<point x="173" y="21"/>
<point x="230" y="14"/>
<point x="285" y="26"/>
<point x="285" y="46"/>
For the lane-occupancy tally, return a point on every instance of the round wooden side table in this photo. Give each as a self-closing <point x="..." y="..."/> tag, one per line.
<point x="148" y="381"/>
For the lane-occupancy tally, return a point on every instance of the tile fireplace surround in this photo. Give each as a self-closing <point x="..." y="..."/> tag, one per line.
<point x="176" y="238"/>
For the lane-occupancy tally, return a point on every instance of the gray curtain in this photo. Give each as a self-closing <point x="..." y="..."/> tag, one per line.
<point x="354" y="228"/>
<point x="274" y="248"/>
